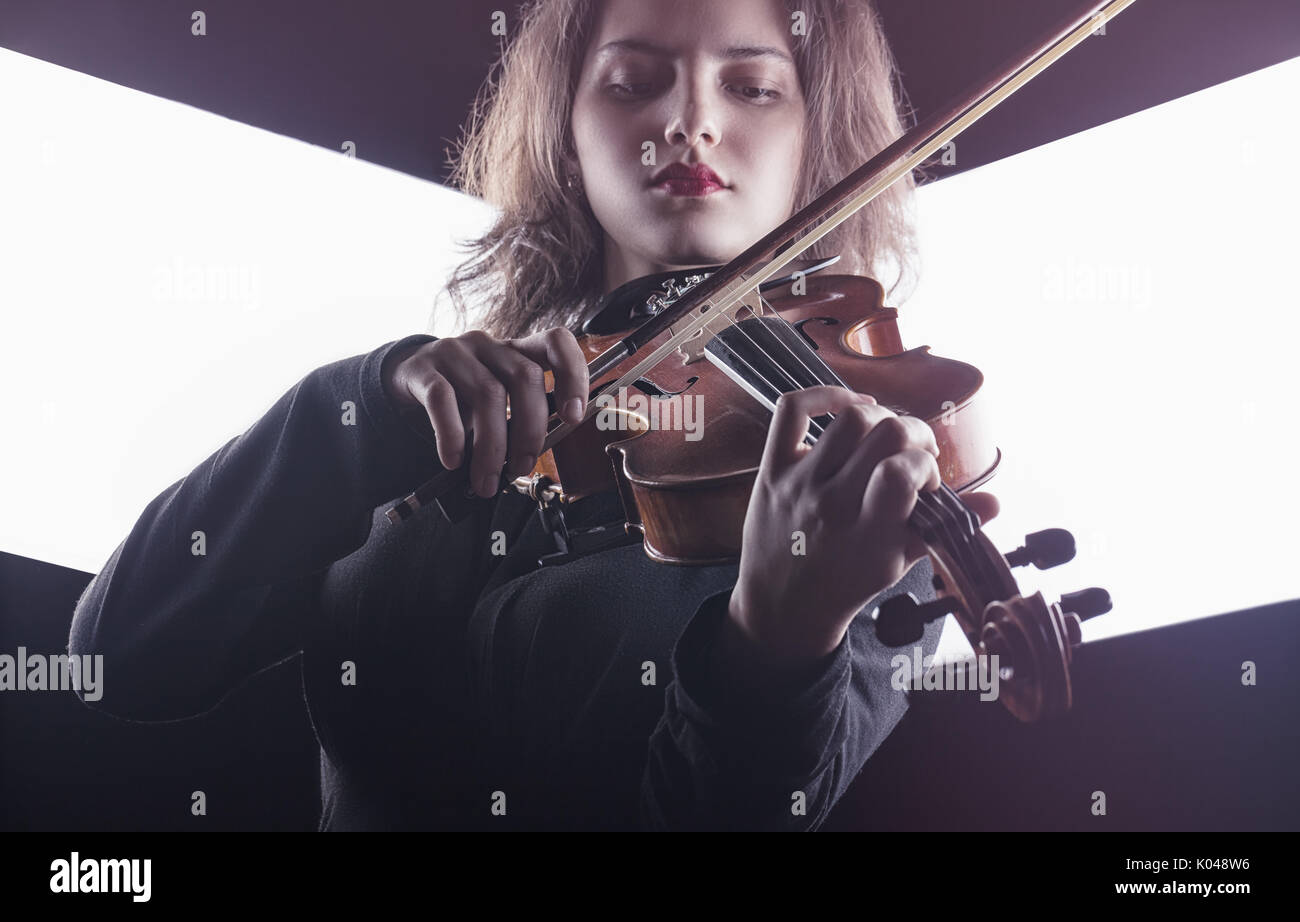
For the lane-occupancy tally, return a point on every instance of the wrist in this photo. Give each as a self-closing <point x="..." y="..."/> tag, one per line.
<point x="394" y="386"/>
<point x="761" y="645"/>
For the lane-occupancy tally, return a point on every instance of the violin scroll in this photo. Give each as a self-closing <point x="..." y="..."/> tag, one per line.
<point x="1024" y="638"/>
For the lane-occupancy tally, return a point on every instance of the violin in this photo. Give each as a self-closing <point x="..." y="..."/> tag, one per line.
<point x="732" y="339"/>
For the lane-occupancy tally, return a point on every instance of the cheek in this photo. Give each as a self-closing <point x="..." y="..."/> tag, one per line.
<point x="607" y="148"/>
<point x="792" y="156"/>
<point x="776" y="169"/>
<point x="590" y="128"/>
<point x="580" y="126"/>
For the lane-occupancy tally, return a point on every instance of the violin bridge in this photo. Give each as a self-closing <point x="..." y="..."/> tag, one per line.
<point x="693" y="349"/>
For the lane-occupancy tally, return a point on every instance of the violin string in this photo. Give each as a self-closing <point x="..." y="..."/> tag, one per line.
<point x="984" y="566"/>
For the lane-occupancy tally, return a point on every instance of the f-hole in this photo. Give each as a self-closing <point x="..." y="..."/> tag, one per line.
<point x="798" y="325"/>
<point x="650" y="389"/>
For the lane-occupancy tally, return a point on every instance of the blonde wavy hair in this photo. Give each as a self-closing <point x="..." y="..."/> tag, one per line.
<point x="539" y="264"/>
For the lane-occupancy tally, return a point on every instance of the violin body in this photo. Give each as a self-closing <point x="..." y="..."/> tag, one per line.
<point x="687" y="492"/>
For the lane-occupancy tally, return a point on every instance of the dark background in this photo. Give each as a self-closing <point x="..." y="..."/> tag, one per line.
<point x="1161" y="722"/>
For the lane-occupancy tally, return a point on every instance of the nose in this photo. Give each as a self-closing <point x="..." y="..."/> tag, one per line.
<point x="694" y="119"/>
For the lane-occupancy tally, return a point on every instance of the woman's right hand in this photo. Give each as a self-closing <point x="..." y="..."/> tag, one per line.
<point x="463" y="382"/>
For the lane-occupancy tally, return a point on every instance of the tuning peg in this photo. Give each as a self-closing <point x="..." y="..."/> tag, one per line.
<point x="1077" y="607"/>
<point x="1086" y="603"/>
<point x="1044" y="549"/>
<point x="901" y="619"/>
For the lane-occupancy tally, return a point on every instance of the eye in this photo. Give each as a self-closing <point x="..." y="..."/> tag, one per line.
<point x="630" y="90"/>
<point x="760" y="94"/>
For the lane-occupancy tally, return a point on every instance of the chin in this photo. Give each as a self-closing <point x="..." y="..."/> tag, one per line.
<point x="684" y="250"/>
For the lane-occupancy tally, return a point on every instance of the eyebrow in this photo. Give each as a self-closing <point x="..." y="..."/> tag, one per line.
<point x="736" y="52"/>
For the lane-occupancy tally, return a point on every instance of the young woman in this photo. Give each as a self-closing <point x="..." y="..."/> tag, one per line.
<point x="451" y="681"/>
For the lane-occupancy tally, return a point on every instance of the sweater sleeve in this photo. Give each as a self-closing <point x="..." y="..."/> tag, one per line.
<point x="213" y="581"/>
<point x="775" y="758"/>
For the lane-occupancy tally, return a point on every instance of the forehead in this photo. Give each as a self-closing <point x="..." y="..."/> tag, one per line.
<point x="724" y="29"/>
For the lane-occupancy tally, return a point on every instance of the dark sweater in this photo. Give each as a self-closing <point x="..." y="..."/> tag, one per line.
<point x="445" y="681"/>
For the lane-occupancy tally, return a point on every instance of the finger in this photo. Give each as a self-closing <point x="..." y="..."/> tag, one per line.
<point x="455" y="363"/>
<point x="557" y="350"/>
<point x="984" y="505"/>
<point x="842" y="438"/>
<point x="895" y="482"/>
<point x="488" y="415"/>
<point x="916" y="548"/>
<point x="890" y="435"/>
<point x="792" y="416"/>
<point x="438" y="397"/>
<point x="526" y="385"/>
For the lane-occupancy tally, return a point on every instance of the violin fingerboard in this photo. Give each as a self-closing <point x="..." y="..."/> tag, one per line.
<point x="768" y="357"/>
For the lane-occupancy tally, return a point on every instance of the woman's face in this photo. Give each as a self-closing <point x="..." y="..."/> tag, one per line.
<point x="690" y="83"/>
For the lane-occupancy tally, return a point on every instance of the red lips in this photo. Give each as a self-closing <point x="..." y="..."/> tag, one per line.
<point x="687" y="179"/>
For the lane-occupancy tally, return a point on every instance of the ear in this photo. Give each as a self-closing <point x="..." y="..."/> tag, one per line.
<point x="570" y="165"/>
<point x="569" y="153"/>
